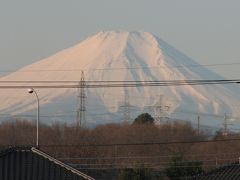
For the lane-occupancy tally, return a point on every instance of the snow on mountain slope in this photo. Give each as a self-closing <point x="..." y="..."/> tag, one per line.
<point x="121" y="56"/>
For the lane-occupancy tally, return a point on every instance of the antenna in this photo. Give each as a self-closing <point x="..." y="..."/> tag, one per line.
<point x="80" y="119"/>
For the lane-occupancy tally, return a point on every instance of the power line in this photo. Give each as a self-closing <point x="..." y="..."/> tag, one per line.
<point x="109" y="84"/>
<point x="123" y="68"/>
<point x="154" y="156"/>
<point x="123" y="81"/>
<point x="144" y="144"/>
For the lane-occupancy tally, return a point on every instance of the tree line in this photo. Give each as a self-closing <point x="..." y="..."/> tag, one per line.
<point x="128" y="149"/>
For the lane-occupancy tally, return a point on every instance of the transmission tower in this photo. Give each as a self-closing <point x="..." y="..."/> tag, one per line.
<point x="198" y="124"/>
<point x="160" y="110"/>
<point x="81" y="109"/>
<point x="225" y="125"/>
<point x="126" y="106"/>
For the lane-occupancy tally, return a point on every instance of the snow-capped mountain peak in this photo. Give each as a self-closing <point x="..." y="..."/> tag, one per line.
<point x="121" y="56"/>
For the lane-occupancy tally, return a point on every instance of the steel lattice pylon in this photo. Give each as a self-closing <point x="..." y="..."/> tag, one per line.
<point x="80" y="119"/>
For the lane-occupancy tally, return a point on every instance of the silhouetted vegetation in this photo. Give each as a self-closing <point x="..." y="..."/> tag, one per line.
<point x="144" y="118"/>
<point x="180" y="169"/>
<point x="119" y="147"/>
<point x="138" y="172"/>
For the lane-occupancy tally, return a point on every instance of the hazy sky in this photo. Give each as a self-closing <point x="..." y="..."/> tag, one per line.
<point x="206" y="30"/>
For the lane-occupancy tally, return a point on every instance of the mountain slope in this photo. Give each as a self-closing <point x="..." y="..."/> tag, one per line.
<point x="121" y="56"/>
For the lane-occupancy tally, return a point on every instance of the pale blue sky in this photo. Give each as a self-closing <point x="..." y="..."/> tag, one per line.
<point x="206" y="30"/>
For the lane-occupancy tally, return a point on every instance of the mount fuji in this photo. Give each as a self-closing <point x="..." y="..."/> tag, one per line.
<point x="119" y="56"/>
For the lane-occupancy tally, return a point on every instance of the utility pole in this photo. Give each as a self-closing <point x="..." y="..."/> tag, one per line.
<point x="198" y="124"/>
<point x="81" y="109"/>
<point x="31" y="90"/>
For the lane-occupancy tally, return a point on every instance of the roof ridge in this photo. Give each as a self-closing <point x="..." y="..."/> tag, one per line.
<point x="37" y="151"/>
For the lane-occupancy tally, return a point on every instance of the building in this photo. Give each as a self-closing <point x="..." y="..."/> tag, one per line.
<point x="29" y="163"/>
<point x="228" y="172"/>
